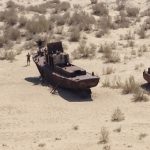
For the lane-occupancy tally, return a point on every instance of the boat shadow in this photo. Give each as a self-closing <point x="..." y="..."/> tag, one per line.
<point x="72" y="96"/>
<point x="35" y="81"/>
<point x="146" y="86"/>
<point x="68" y="95"/>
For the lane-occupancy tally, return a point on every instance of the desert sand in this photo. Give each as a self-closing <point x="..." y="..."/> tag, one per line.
<point x="31" y="118"/>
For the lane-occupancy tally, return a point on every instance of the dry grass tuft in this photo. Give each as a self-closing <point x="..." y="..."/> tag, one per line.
<point x="104" y="136"/>
<point x="100" y="9"/>
<point x="84" y="51"/>
<point x="108" y="70"/>
<point x="117" y="116"/>
<point x="130" y="86"/>
<point x="140" y="96"/>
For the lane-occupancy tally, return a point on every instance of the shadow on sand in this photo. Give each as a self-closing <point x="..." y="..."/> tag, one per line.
<point x="69" y="95"/>
<point x="146" y="86"/>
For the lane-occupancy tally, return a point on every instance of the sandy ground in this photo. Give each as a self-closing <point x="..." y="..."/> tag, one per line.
<point x="31" y="118"/>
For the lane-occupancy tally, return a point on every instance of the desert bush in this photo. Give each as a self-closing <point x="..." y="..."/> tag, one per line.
<point x="38" y="25"/>
<point x="104" y="136"/>
<point x="132" y="11"/>
<point x="129" y="36"/>
<point x="64" y="6"/>
<point x="100" y="9"/>
<point x="37" y="8"/>
<point x="22" y="21"/>
<point x="111" y="57"/>
<point x="9" y="55"/>
<point x="108" y="70"/>
<point x="59" y="30"/>
<point x="142" y="135"/>
<point x="117" y="115"/>
<point x="138" y="66"/>
<point x="74" y="34"/>
<point x="76" y="127"/>
<point x="106" y="147"/>
<point x="116" y="83"/>
<point x="106" y="47"/>
<point x="10" y="4"/>
<point x="28" y="45"/>
<point x="121" y="20"/>
<point x="140" y="96"/>
<point x="84" y="51"/>
<point x="12" y="33"/>
<point x="106" y="83"/>
<point x="9" y="16"/>
<point x="121" y="4"/>
<point x="3" y="41"/>
<point x="142" y="32"/>
<point x="85" y="24"/>
<point x="103" y="25"/>
<point x="93" y="1"/>
<point x="130" y="86"/>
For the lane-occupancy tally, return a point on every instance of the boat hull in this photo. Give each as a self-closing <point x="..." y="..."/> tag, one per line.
<point x="65" y="82"/>
<point x="146" y="76"/>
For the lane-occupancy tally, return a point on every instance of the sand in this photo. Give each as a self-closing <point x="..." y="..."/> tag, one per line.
<point x="31" y="118"/>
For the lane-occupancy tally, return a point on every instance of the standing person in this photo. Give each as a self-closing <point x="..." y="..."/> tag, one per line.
<point x="28" y="59"/>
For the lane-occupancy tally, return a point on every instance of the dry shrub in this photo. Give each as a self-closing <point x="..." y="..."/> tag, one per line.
<point x="10" y="4"/>
<point x="103" y="25"/>
<point x="121" y="4"/>
<point x="100" y="9"/>
<point x="111" y="57"/>
<point x="9" y="55"/>
<point x="38" y="25"/>
<point x="106" y="47"/>
<point x="93" y="1"/>
<point x="142" y="135"/>
<point x="22" y="21"/>
<point x="132" y="11"/>
<point x="106" y="83"/>
<point x="28" y="45"/>
<point x="85" y="24"/>
<point x="108" y="70"/>
<point x="37" y="9"/>
<point x="129" y="36"/>
<point x="142" y="32"/>
<point x="74" y="34"/>
<point x="104" y="136"/>
<point x="84" y="51"/>
<point x="140" y="96"/>
<point x="117" y="115"/>
<point x="64" y="6"/>
<point x="12" y="33"/>
<point x="130" y="86"/>
<point x="116" y="83"/>
<point x="9" y="16"/>
<point x="121" y="20"/>
<point x="106" y="147"/>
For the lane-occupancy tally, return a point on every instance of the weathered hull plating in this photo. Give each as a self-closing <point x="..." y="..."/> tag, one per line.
<point x="88" y="81"/>
<point x="64" y="82"/>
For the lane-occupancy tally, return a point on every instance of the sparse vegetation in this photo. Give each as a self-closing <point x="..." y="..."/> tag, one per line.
<point x="130" y="86"/>
<point x="84" y="51"/>
<point x="108" y="70"/>
<point x="140" y="96"/>
<point x="117" y="116"/>
<point x="100" y="9"/>
<point x="142" y="135"/>
<point x="104" y="136"/>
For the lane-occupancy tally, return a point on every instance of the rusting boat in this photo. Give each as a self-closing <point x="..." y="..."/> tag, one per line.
<point x="55" y="67"/>
<point x="146" y="75"/>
